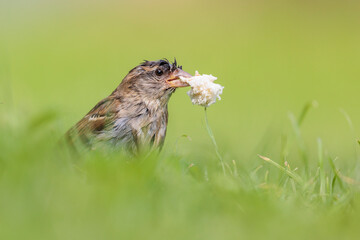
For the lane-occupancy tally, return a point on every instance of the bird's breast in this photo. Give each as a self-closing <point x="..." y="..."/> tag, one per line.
<point x="146" y="128"/>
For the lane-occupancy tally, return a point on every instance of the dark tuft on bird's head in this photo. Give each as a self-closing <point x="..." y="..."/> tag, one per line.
<point x="172" y="65"/>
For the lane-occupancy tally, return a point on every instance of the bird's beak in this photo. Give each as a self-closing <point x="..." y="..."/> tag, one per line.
<point x="174" y="79"/>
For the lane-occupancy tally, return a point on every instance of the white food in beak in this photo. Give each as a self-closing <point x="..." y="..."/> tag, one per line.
<point x="204" y="91"/>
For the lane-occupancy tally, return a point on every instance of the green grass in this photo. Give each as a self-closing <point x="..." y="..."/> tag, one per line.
<point x="46" y="193"/>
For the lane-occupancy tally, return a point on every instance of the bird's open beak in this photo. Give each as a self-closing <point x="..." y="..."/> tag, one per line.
<point x="174" y="79"/>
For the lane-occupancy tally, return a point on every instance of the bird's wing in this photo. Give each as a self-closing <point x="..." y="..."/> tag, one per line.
<point x="98" y="119"/>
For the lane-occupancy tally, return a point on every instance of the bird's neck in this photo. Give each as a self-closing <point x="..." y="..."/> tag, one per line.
<point x="154" y="105"/>
<point x="154" y="99"/>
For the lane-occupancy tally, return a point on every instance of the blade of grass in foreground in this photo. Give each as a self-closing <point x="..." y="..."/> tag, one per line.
<point x="305" y="110"/>
<point x="353" y="132"/>
<point x="214" y="142"/>
<point x="290" y="173"/>
<point x="341" y="178"/>
<point x="296" y="124"/>
<point x="322" y="189"/>
<point x="300" y="142"/>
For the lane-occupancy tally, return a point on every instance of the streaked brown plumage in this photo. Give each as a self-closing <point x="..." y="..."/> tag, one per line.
<point x="135" y="115"/>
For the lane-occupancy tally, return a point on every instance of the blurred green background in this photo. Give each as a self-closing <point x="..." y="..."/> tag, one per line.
<point x="273" y="57"/>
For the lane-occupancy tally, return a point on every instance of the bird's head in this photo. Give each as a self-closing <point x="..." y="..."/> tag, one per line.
<point x="154" y="79"/>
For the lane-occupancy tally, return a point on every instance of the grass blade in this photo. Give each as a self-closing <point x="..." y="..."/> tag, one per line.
<point x="214" y="142"/>
<point x="305" y="110"/>
<point x="322" y="190"/>
<point x="336" y="174"/>
<point x="290" y="173"/>
<point x="300" y="142"/>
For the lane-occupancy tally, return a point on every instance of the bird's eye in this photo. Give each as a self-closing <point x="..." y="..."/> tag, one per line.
<point x="159" y="72"/>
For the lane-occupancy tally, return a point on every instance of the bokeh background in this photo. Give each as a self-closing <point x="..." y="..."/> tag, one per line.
<point x="273" y="57"/>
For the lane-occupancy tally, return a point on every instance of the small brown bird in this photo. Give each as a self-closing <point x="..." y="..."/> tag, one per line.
<point x="135" y="116"/>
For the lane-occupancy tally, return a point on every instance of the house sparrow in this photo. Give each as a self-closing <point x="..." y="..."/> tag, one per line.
<point x="134" y="117"/>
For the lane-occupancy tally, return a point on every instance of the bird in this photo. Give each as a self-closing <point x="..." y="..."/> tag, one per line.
<point x="134" y="117"/>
